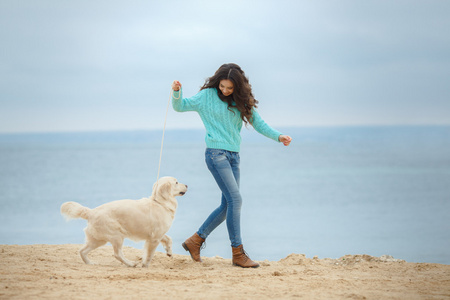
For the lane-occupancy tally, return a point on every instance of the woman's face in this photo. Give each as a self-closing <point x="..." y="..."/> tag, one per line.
<point x="226" y="87"/>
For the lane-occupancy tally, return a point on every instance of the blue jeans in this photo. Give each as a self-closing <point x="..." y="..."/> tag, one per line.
<point x="224" y="166"/>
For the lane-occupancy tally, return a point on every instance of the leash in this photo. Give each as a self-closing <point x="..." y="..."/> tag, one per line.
<point x="162" y="140"/>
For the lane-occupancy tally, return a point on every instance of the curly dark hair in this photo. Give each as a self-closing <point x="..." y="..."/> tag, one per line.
<point x="242" y="96"/>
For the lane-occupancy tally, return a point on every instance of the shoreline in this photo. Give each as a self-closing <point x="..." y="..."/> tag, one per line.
<point x="57" y="271"/>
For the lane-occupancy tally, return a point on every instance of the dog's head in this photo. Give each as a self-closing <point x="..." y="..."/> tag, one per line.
<point x="168" y="187"/>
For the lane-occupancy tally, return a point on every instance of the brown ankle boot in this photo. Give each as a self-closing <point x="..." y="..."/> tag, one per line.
<point x="193" y="245"/>
<point x="241" y="259"/>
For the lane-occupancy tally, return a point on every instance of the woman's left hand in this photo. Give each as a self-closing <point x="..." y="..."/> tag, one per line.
<point x="285" y="139"/>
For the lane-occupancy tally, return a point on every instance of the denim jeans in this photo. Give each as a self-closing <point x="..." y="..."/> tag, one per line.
<point x="224" y="166"/>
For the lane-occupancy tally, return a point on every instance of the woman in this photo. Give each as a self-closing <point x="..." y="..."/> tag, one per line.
<point x="225" y="102"/>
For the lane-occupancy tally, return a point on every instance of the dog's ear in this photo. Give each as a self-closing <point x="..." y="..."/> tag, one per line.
<point x="164" y="190"/>
<point x="155" y="185"/>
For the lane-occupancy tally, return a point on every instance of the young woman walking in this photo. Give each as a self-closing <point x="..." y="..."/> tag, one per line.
<point x="224" y="103"/>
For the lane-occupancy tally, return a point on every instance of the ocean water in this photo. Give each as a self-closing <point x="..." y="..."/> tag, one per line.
<point x="334" y="191"/>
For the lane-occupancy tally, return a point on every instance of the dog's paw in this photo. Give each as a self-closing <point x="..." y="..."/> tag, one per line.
<point x="131" y="264"/>
<point x="134" y="264"/>
<point x="169" y="251"/>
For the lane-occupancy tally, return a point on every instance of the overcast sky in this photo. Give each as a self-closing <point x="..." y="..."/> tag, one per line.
<point x="108" y="65"/>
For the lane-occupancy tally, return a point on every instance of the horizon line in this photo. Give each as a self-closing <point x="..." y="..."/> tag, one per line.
<point x="202" y="128"/>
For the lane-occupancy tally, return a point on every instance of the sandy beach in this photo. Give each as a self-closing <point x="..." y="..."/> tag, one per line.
<point x="57" y="272"/>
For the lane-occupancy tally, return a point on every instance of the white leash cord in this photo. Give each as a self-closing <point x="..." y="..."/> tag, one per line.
<point x="164" y="130"/>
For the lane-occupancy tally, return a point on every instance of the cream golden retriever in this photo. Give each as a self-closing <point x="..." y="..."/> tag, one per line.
<point x="146" y="219"/>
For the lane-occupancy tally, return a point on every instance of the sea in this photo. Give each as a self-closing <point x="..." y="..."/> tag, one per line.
<point x="375" y="190"/>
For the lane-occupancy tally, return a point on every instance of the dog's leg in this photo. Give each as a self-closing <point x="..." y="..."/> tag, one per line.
<point x="166" y="241"/>
<point x="91" y="244"/>
<point x="117" y="246"/>
<point x="150" y="248"/>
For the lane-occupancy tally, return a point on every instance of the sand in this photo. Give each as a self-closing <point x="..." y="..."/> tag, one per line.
<point x="57" y="272"/>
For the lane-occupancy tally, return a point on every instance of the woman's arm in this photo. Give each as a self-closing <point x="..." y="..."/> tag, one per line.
<point x="181" y="104"/>
<point x="264" y="129"/>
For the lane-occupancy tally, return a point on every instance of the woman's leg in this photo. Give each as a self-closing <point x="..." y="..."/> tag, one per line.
<point x="224" y="166"/>
<point x="214" y="219"/>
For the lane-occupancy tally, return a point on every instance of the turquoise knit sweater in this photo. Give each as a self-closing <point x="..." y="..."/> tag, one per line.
<point x="223" y="127"/>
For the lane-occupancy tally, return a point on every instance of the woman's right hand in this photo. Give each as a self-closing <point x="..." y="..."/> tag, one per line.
<point x="176" y="85"/>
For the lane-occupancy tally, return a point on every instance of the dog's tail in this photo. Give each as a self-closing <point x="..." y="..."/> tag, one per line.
<point x="73" y="210"/>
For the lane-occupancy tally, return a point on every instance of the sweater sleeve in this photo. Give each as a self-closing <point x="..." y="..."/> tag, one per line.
<point x="263" y="128"/>
<point x="181" y="104"/>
